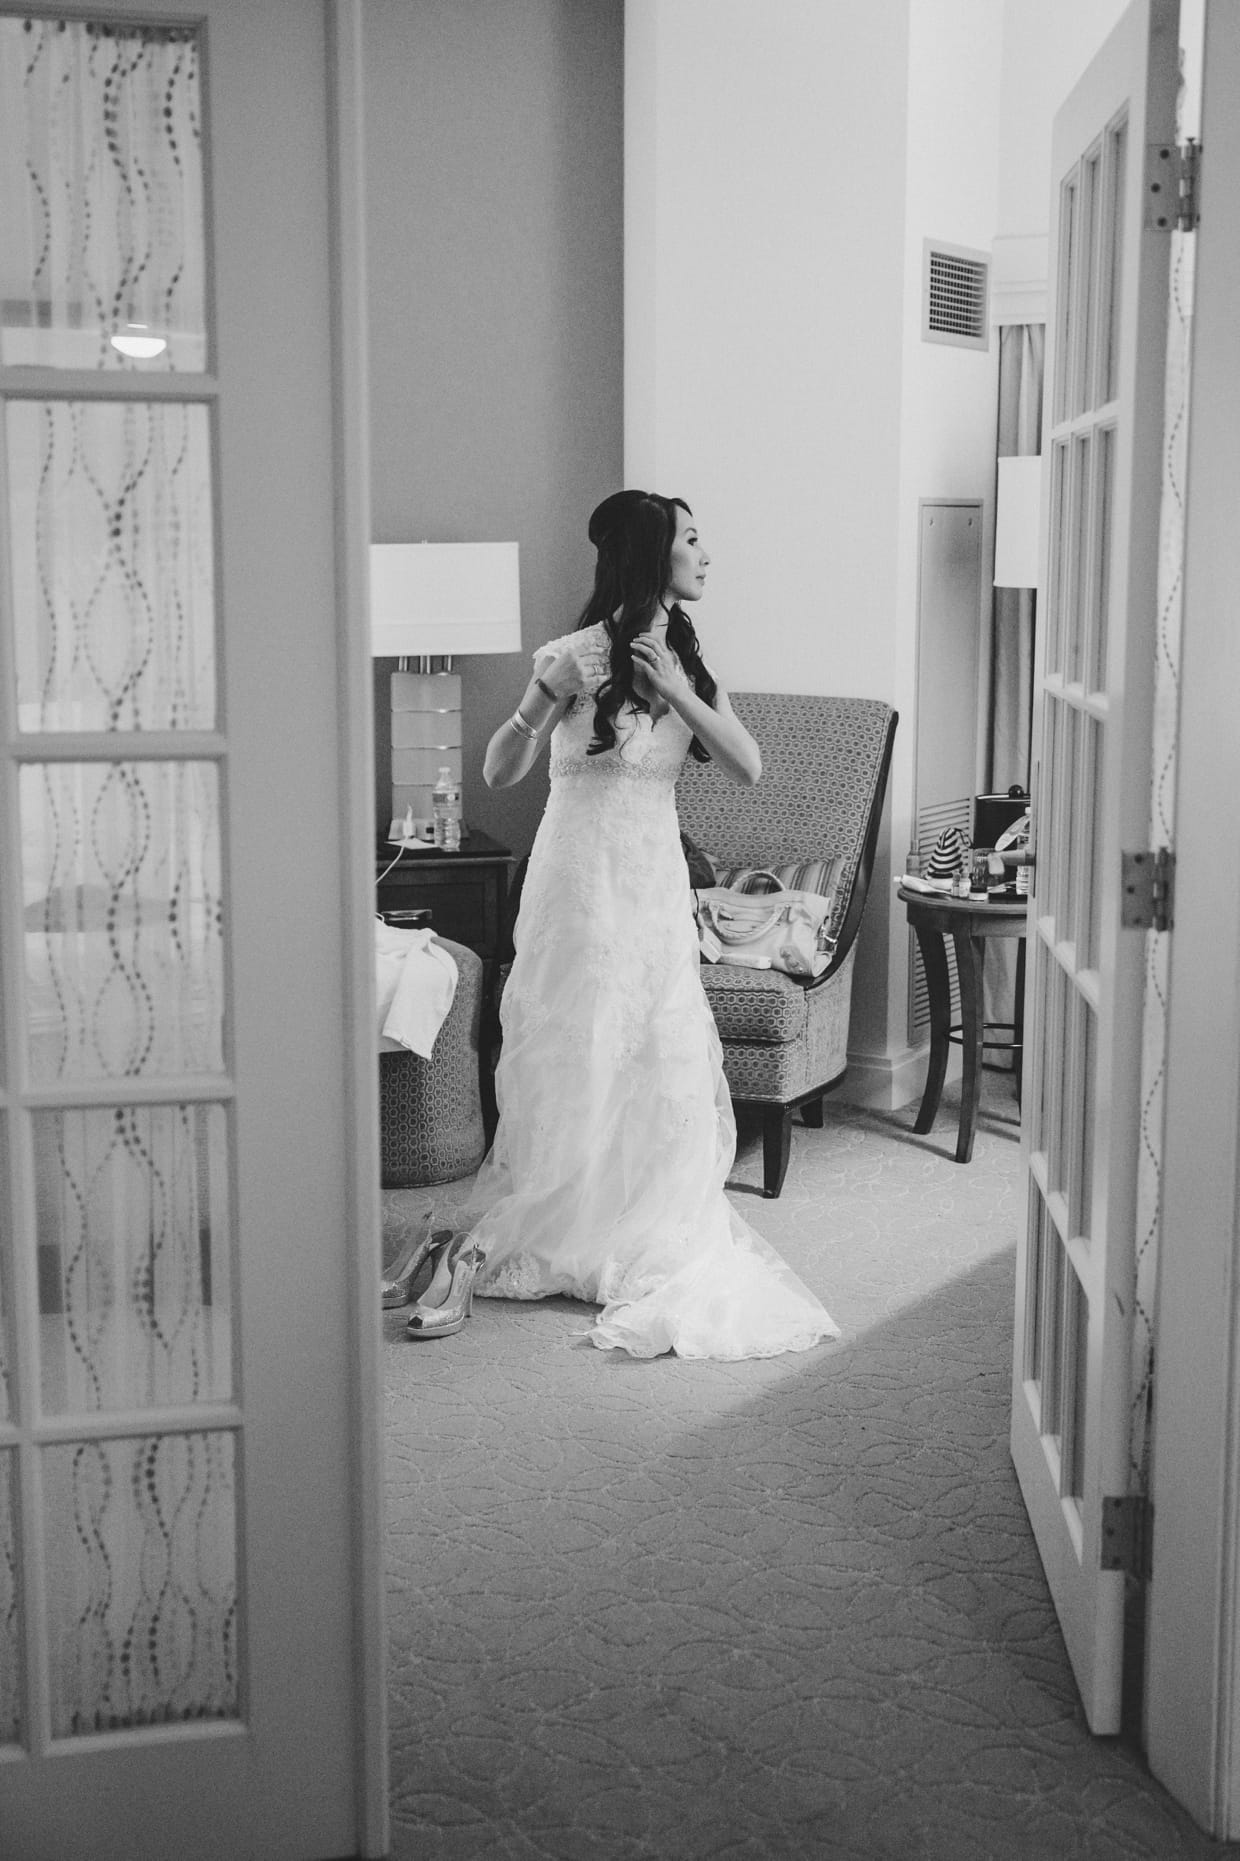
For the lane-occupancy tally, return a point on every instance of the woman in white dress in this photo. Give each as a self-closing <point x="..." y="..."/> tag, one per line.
<point x="606" y="1178"/>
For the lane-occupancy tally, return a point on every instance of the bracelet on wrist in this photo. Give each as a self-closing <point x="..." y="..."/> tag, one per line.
<point x="546" y="690"/>
<point x="523" y="727"/>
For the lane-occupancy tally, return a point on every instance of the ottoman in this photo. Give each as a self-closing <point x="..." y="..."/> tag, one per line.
<point x="430" y="1111"/>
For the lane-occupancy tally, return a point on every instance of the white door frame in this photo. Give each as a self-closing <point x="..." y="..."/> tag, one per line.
<point x="346" y="127"/>
<point x="1193" y="1652"/>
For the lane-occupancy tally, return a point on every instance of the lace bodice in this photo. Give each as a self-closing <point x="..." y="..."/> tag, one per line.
<point x="646" y="750"/>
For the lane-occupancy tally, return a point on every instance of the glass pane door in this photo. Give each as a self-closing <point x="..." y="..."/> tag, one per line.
<point x="119" y="1094"/>
<point x="1076" y="1273"/>
<point x="188" y="1648"/>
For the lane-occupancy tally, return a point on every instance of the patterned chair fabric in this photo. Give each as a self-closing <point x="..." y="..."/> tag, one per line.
<point x="761" y="1067"/>
<point x="430" y="1111"/>
<point x="824" y="774"/>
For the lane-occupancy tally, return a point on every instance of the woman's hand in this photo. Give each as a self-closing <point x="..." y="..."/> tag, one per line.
<point x="716" y="726"/>
<point x="657" y="672"/>
<point x="578" y="666"/>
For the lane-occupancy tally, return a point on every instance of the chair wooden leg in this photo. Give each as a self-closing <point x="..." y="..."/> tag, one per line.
<point x="776" y="1146"/>
<point x="811" y="1113"/>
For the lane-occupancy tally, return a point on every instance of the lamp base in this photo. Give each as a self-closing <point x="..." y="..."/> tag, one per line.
<point x="426" y="737"/>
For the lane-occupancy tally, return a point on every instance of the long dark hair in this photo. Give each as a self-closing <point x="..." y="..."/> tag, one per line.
<point x="633" y="532"/>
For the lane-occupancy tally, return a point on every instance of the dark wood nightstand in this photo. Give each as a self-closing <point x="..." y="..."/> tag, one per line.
<point x="465" y="893"/>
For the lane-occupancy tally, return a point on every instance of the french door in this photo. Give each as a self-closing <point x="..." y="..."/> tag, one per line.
<point x="1114" y="210"/>
<point x="190" y="1646"/>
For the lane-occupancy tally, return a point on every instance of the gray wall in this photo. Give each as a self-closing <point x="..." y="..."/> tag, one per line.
<point x="494" y="170"/>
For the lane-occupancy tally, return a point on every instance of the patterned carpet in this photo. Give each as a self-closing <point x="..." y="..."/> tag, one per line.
<point x="782" y="1608"/>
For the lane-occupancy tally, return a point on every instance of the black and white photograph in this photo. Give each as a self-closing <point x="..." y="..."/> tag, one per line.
<point x="619" y="974"/>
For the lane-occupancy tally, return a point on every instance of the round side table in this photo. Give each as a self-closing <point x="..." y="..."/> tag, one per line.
<point x="968" y="922"/>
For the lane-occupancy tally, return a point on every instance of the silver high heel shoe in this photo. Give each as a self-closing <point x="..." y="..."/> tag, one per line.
<point x="446" y="1303"/>
<point x="397" y="1282"/>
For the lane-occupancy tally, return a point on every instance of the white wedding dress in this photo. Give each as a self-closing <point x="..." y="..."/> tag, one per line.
<point x="616" y="1134"/>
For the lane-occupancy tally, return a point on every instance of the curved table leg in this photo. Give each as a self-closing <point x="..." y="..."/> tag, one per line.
<point x="938" y="988"/>
<point x="970" y="957"/>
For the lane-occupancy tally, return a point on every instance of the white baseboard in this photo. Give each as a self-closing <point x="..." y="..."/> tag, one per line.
<point x="889" y="1081"/>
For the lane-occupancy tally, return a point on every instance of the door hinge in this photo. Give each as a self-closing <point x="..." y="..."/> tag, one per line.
<point x="1128" y="1535"/>
<point x="1190" y="178"/>
<point x="1172" y="180"/>
<point x="1147" y="890"/>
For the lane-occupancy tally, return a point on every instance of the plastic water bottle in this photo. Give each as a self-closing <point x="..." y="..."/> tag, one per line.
<point x="446" y="809"/>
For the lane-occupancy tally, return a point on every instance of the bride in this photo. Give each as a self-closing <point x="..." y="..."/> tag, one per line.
<point x="616" y="1135"/>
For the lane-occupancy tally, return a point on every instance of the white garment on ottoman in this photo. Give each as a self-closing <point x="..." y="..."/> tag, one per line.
<point x="415" y="981"/>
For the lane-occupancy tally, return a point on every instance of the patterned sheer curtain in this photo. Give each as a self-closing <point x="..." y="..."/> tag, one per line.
<point x="100" y="227"/>
<point x="112" y="602"/>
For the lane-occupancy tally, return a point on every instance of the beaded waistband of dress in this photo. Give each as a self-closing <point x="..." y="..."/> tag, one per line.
<point x="614" y="769"/>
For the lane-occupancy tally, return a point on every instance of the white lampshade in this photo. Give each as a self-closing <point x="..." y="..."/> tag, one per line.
<point x="444" y="598"/>
<point x="1018" y="522"/>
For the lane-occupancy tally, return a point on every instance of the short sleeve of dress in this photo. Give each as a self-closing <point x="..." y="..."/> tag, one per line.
<point x="592" y="645"/>
<point x="552" y="649"/>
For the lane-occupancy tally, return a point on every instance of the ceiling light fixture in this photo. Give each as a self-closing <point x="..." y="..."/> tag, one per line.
<point x="136" y="342"/>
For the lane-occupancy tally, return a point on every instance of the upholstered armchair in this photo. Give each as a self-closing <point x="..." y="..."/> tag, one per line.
<point x="825" y="763"/>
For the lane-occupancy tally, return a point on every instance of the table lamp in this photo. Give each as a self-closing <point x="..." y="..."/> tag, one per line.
<point x="431" y="602"/>
<point x="1018" y="511"/>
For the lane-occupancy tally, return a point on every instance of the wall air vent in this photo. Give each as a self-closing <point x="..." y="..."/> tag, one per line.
<point x="955" y="291"/>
